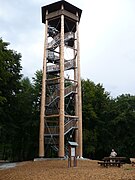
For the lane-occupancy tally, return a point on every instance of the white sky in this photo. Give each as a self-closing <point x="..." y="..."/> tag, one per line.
<point x="107" y="39"/>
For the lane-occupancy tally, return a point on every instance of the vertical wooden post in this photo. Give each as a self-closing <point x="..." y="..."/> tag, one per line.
<point x="76" y="95"/>
<point x="61" y="118"/>
<point x="43" y="97"/>
<point x="79" y="94"/>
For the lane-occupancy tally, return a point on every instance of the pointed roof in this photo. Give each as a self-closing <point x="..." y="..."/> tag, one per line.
<point x="57" y="6"/>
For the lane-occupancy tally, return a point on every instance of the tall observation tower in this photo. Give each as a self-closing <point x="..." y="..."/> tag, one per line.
<point x="61" y="106"/>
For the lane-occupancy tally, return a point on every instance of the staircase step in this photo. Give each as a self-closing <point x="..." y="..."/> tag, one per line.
<point x="54" y="130"/>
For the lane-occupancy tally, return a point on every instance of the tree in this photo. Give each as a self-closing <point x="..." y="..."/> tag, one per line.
<point x="37" y="85"/>
<point x="107" y="123"/>
<point x="94" y="107"/>
<point x="10" y="76"/>
<point x="123" y="124"/>
<point x="23" y="120"/>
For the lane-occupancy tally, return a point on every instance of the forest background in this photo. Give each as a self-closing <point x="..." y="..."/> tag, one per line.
<point x="107" y="122"/>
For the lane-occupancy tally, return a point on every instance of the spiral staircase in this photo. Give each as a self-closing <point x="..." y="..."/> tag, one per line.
<point x="53" y="91"/>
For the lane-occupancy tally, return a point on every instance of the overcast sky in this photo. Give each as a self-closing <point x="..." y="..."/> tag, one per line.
<point x="107" y="39"/>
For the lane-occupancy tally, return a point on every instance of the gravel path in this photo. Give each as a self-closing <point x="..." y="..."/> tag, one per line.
<point x="58" y="170"/>
<point x="7" y="165"/>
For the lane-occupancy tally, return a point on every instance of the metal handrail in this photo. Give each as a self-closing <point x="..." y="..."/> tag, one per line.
<point x="56" y="41"/>
<point x="68" y="90"/>
<point x="69" y="125"/>
<point x="54" y="130"/>
<point x="56" y="67"/>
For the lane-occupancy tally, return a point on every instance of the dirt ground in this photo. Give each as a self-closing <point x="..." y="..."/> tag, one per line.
<point x="58" y="170"/>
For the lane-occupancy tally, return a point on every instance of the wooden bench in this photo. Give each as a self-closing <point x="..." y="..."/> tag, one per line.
<point x="106" y="164"/>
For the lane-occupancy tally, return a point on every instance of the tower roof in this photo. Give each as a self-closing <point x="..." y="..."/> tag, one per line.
<point x="57" y="6"/>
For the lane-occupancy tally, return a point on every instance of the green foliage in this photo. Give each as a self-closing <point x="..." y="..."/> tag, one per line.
<point x="107" y="123"/>
<point x="37" y="85"/>
<point x="9" y="73"/>
<point x="124" y="124"/>
<point x="19" y="108"/>
<point x="95" y="105"/>
<point x="10" y="76"/>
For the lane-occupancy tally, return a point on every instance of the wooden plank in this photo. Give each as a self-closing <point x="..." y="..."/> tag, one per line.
<point x="106" y="164"/>
<point x="58" y="13"/>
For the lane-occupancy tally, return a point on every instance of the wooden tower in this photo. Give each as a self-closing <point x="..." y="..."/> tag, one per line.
<point x="61" y="106"/>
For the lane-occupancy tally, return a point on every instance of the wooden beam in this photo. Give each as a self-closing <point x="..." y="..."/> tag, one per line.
<point x="53" y="115"/>
<point x="58" y="13"/>
<point x="61" y="119"/>
<point x="69" y="116"/>
<point x="43" y="99"/>
<point x="79" y="95"/>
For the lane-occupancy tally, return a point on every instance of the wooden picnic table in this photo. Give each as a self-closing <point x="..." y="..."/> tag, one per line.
<point x="112" y="161"/>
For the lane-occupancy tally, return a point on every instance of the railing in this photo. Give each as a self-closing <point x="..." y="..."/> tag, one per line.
<point x="53" y="81"/>
<point x="56" y="41"/>
<point x="69" y="64"/>
<point x="54" y="130"/>
<point x="68" y="90"/>
<point x="53" y="68"/>
<point x="56" y="67"/>
<point x="52" y="57"/>
<point x="52" y="98"/>
<point x="51" y="140"/>
<point x="70" y="125"/>
<point x="51" y="111"/>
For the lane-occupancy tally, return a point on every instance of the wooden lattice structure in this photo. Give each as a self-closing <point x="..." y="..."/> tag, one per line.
<point x="61" y="106"/>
